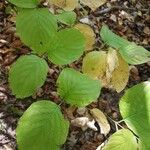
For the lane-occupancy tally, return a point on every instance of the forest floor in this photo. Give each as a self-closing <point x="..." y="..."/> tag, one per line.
<point x="129" y="18"/>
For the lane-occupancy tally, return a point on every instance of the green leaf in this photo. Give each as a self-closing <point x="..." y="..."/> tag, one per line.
<point x="42" y="127"/>
<point x="131" y="53"/>
<point x="76" y="88"/>
<point x="36" y="28"/>
<point x="122" y="140"/>
<point x="67" y="17"/>
<point x="26" y="75"/>
<point x="135" y="110"/>
<point x="112" y="39"/>
<point x="25" y="3"/>
<point x="67" y="47"/>
<point x="134" y="54"/>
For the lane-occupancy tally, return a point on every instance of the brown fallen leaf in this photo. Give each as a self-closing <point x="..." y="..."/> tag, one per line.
<point x="88" y="33"/>
<point x="84" y="123"/>
<point x="93" y="4"/>
<point x="101" y="119"/>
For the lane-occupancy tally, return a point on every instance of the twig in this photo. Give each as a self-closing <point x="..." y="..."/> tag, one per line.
<point x="107" y="10"/>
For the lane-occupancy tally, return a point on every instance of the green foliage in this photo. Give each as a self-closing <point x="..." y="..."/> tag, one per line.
<point x="67" y="17"/>
<point x="76" y="88"/>
<point x="25" y="3"/>
<point x="135" y="110"/>
<point x="42" y="127"/>
<point x="26" y="75"/>
<point x="67" y="47"/>
<point x="122" y="140"/>
<point x="111" y="38"/>
<point x="134" y="54"/>
<point x="36" y="28"/>
<point x="131" y="52"/>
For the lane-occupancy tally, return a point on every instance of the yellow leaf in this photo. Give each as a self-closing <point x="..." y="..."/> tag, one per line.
<point x="59" y="3"/>
<point x="88" y="34"/>
<point x="70" y="5"/>
<point x="112" y="63"/>
<point x="101" y="120"/>
<point x="120" y="75"/>
<point x="94" y="65"/>
<point x="67" y="5"/>
<point x="93" y="4"/>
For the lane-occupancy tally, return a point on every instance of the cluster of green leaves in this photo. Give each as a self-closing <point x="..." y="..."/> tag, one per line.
<point x="135" y="110"/>
<point x="42" y="126"/>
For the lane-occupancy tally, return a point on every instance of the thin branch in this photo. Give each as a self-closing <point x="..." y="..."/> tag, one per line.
<point x="107" y="10"/>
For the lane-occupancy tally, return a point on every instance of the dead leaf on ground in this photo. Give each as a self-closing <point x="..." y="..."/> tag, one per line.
<point x="112" y="63"/>
<point x="84" y="123"/>
<point x="101" y="119"/>
<point x="120" y="75"/>
<point x="88" y="33"/>
<point x="93" y="4"/>
<point x="67" y="5"/>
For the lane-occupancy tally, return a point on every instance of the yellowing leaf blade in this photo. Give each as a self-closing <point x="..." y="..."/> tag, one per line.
<point x="93" y="4"/>
<point x="94" y="65"/>
<point x="88" y="33"/>
<point x="120" y="75"/>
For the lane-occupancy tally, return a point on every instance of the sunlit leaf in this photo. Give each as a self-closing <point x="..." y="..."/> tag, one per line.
<point x="42" y="127"/>
<point x="26" y="75"/>
<point x="36" y="28"/>
<point x="67" y="47"/>
<point x="76" y="88"/>
<point x="93" y="4"/>
<point x="88" y="34"/>
<point x="135" y="110"/>
<point x="25" y="3"/>
<point x="101" y="120"/>
<point x="122" y="140"/>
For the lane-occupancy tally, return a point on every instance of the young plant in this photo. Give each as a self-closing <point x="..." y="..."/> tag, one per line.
<point x="42" y="126"/>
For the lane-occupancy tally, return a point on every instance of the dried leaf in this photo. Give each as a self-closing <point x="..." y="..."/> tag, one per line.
<point x="101" y="120"/>
<point x="70" y="5"/>
<point x="84" y="123"/>
<point x="112" y="63"/>
<point x="59" y="3"/>
<point x="67" y="5"/>
<point x="88" y="34"/>
<point x="120" y="75"/>
<point x="93" y="4"/>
